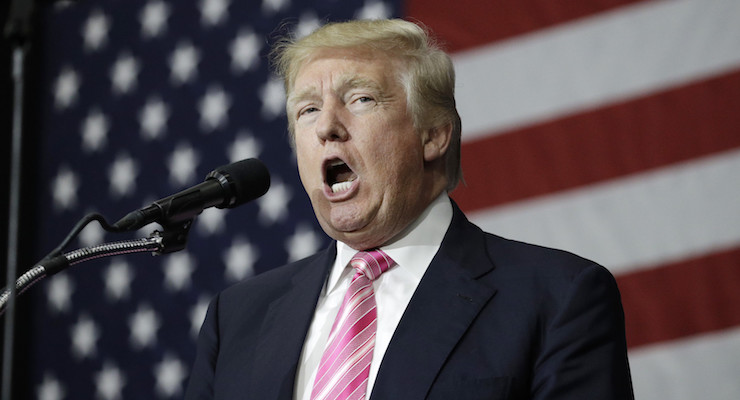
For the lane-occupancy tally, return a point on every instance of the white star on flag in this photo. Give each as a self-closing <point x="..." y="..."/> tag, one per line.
<point x="95" y="131"/>
<point x="177" y="271"/>
<point x="304" y="242"/>
<point x="374" y="9"/>
<point x="66" y="88"/>
<point x="50" y="389"/>
<point x="239" y="259"/>
<point x="213" y="108"/>
<point x="273" y="98"/>
<point x="308" y="23"/>
<point x="122" y="175"/>
<point x="210" y="221"/>
<point x="170" y="374"/>
<point x="153" y="118"/>
<point x="85" y="334"/>
<point x="110" y="382"/>
<point x="64" y="189"/>
<point x="274" y="6"/>
<point x="124" y="72"/>
<point x="182" y="163"/>
<point x="183" y="63"/>
<point x="144" y="324"/>
<point x="154" y="18"/>
<point x="245" y="50"/>
<point x="214" y="12"/>
<point x="59" y="293"/>
<point x="273" y="205"/>
<point x="245" y="146"/>
<point x="95" y="30"/>
<point x="118" y="277"/>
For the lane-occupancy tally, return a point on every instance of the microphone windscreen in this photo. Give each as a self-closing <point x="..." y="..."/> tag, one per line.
<point x="248" y="179"/>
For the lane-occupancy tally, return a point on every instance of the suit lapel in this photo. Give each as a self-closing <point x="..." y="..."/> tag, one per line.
<point x="447" y="300"/>
<point x="284" y="330"/>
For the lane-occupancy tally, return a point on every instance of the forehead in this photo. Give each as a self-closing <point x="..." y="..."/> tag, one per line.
<point x="339" y="68"/>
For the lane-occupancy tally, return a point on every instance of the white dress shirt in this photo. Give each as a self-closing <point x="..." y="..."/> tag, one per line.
<point x="412" y="252"/>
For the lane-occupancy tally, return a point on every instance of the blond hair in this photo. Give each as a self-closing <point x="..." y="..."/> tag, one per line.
<point x="428" y="78"/>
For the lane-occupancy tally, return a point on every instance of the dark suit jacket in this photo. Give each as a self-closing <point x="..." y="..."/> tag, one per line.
<point x="491" y="319"/>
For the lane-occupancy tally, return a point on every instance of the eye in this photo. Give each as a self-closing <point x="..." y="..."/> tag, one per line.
<point x="307" y="110"/>
<point x="361" y="102"/>
<point x="363" y="99"/>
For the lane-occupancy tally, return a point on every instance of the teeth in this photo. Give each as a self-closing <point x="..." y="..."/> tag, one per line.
<point x="342" y="176"/>
<point x="340" y="186"/>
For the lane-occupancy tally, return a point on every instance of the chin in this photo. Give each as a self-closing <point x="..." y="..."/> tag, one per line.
<point x="361" y="243"/>
<point x="355" y="239"/>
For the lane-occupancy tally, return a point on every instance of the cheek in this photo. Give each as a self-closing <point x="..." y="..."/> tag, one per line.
<point x="403" y="155"/>
<point x="307" y="169"/>
<point x="396" y="169"/>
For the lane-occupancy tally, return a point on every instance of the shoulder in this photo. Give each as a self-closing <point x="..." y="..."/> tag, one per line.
<point x="552" y="278"/>
<point x="524" y="256"/>
<point x="522" y="268"/>
<point x="510" y="256"/>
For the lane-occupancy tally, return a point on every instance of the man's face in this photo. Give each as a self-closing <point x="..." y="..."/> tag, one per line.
<point x="359" y="157"/>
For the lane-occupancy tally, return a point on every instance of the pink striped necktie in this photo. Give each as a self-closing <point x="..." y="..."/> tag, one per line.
<point x="345" y="366"/>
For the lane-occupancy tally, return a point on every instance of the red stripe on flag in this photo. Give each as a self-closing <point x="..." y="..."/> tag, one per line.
<point x="606" y="143"/>
<point x="682" y="299"/>
<point x="487" y="21"/>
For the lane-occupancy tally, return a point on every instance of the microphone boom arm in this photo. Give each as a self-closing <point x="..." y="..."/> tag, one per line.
<point x="172" y="238"/>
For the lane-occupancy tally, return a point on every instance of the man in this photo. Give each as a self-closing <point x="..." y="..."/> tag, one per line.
<point x="453" y="312"/>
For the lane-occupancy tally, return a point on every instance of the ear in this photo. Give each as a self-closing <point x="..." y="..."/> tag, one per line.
<point x="436" y="141"/>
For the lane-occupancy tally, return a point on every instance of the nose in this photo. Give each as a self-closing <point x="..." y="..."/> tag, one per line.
<point x="330" y="125"/>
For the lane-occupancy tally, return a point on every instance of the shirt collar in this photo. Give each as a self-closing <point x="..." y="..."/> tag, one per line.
<point x="413" y="250"/>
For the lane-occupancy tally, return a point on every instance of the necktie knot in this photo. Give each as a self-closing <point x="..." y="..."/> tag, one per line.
<point x="371" y="263"/>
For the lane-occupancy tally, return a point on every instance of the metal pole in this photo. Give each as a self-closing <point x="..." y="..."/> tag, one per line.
<point x="13" y="220"/>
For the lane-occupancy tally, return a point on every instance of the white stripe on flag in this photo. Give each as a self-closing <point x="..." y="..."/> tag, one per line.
<point x="665" y="215"/>
<point x="700" y="367"/>
<point x="613" y="56"/>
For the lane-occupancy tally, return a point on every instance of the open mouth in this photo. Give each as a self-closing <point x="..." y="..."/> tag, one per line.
<point x="339" y="176"/>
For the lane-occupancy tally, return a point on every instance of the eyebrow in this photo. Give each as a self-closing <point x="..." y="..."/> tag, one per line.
<point x="360" y="81"/>
<point x="296" y="97"/>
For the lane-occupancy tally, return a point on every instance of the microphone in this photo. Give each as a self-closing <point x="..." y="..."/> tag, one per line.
<point x="227" y="186"/>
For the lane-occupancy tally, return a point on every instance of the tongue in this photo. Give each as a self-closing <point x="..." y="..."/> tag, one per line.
<point x="344" y="174"/>
<point x="342" y="177"/>
<point x="339" y="173"/>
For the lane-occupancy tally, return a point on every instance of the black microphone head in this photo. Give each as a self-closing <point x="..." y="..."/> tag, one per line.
<point x="245" y="180"/>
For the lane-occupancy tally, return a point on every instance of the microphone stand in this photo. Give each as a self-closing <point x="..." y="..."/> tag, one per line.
<point x="51" y="266"/>
<point x="172" y="238"/>
<point x="18" y="31"/>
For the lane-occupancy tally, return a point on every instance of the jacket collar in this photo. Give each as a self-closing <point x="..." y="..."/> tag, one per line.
<point x="449" y="297"/>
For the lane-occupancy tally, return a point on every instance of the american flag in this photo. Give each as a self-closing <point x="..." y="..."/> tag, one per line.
<point x="608" y="128"/>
